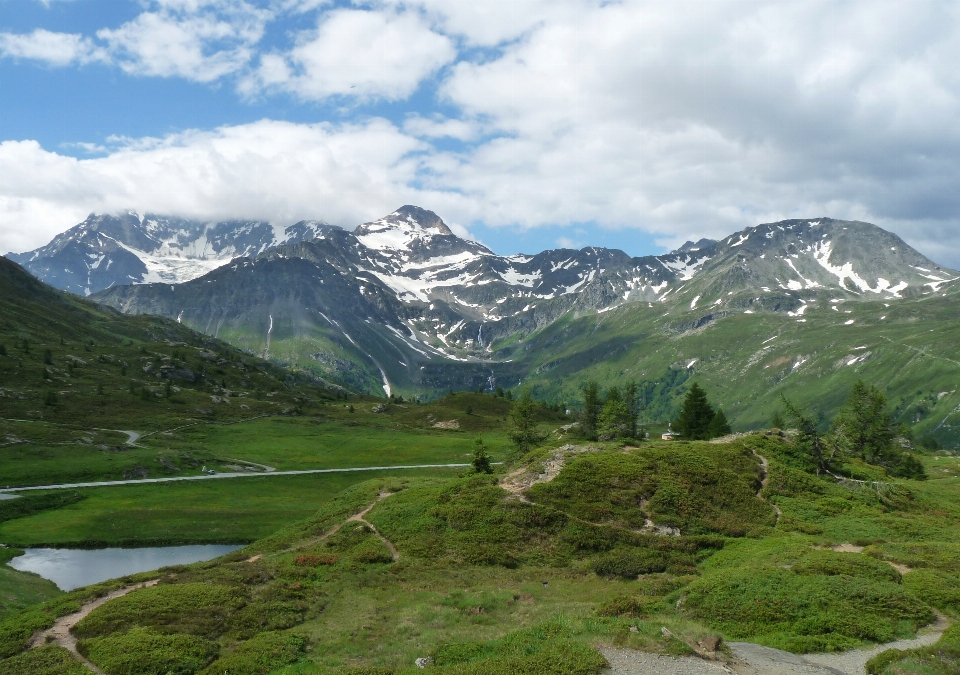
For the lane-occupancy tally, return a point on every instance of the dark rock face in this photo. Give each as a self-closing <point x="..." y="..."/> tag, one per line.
<point x="113" y="250"/>
<point x="402" y="299"/>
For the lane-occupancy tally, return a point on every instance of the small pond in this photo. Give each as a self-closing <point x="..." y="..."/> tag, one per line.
<point x="73" y="568"/>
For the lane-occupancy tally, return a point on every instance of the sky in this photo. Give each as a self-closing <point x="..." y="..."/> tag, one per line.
<point x="525" y="124"/>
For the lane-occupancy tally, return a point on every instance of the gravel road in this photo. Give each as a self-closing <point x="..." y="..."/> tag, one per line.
<point x="632" y="662"/>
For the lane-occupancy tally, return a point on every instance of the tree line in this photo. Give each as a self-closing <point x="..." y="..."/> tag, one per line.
<point x="862" y="430"/>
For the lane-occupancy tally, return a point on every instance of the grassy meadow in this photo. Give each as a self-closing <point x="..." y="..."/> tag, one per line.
<point x="486" y="582"/>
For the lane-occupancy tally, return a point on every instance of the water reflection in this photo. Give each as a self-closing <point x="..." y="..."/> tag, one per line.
<point x="73" y="568"/>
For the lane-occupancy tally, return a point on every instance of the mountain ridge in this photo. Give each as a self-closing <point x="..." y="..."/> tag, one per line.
<point x="401" y="306"/>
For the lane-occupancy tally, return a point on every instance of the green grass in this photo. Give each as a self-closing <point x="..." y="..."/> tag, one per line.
<point x="301" y="443"/>
<point x="19" y="590"/>
<point x="213" y="511"/>
<point x="489" y="584"/>
<point x="745" y="362"/>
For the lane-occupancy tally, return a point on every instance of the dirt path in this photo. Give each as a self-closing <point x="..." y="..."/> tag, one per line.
<point x="854" y="662"/>
<point x="359" y="518"/>
<point x="60" y="634"/>
<point x="765" y="466"/>
<point x="355" y="518"/>
<point x="632" y="662"/>
<point x="519" y="480"/>
<point x="268" y="469"/>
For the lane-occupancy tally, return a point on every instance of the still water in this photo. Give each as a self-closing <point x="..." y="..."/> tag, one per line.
<point x="73" y="568"/>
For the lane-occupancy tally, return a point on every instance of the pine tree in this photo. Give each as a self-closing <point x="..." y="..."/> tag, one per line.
<point x="481" y="460"/>
<point x="811" y="448"/>
<point x="696" y="414"/>
<point x="863" y="429"/>
<point x="523" y="425"/>
<point x="591" y="409"/>
<point x="719" y="425"/>
<point x="3" y="350"/>
<point x="631" y="399"/>
<point x="614" y="420"/>
<point x="48" y="357"/>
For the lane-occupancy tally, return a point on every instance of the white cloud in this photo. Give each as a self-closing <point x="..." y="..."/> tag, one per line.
<point x="680" y="119"/>
<point x="274" y="171"/>
<point x="193" y="39"/>
<point x="493" y="22"/>
<point x="55" y="49"/>
<point x="200" y="40"/>
<point x="689" y="124"/>
<point x="357" y="53"/>
<point x="438" y="126"/>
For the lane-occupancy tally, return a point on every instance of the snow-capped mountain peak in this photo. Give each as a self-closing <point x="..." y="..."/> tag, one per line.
<point x="128" y="248"/>
<point x="406" y="228"/>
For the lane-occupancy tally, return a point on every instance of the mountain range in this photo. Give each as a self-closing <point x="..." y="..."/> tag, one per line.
<point x="403" y="304"/>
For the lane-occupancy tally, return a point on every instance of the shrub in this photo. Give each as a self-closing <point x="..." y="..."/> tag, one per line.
<point x="197" y="608"/>
<point x="935" y="588"/>
<point x="315" y="560"/>
<point x="803" y="612"/>
<point x="630" y="563"/>
<point x="373" y="555"/>
<point x="263" y="654"/>
<point x="829" y="563"/>
<point x="143" y="651"/>
<point x="47" y="660"/>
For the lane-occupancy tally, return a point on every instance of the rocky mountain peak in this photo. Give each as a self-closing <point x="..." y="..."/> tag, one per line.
<point x="402" y="228"/>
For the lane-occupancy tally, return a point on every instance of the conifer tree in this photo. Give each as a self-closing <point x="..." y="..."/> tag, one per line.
<point x="591" y="409"/>
<point x="863" y="428"/>
<point x="719" y="425"/>
<point x="614" y="420"/>
<point x="631" y="399"/>
<point x="523" y="425"/>
<point x="696" y="414"/>
<point x="481" y="460"/>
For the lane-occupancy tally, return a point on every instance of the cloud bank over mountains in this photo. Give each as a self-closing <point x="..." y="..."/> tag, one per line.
<point x="682" y="120"/>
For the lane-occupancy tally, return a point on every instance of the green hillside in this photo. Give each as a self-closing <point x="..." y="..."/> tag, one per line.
<point x="748" y="360"/>
<point x="483" y="575"/>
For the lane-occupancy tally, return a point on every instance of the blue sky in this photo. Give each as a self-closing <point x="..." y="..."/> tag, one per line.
<point x="527" y="125"/>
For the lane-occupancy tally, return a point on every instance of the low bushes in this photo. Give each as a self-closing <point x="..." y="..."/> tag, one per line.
<point x="48" y="660"/>
<point x="630" y="563"/>
<point x="832" y="564"/>
<point x="937" y="589"/>
<point x="942" y="658"/>
<point x="546" y="649"/>
<point x="144" y="651"/>
<point x="804" y="612"/>
<point x="261" y="655"/>
<point x="194" y="608"/>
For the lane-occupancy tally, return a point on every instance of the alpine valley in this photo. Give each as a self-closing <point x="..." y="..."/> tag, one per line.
<point x="799" y="307"/>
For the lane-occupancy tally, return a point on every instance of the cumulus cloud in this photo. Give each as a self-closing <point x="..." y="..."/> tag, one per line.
<point x="200" y="40"/>
<point x="679" y="119"/>
<point x="55" y="49"/>
<point x="358" y="53"/>
<point x="690" y="124"/>
<point x="193" y="39"/>
<point x="268" y="170"/>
